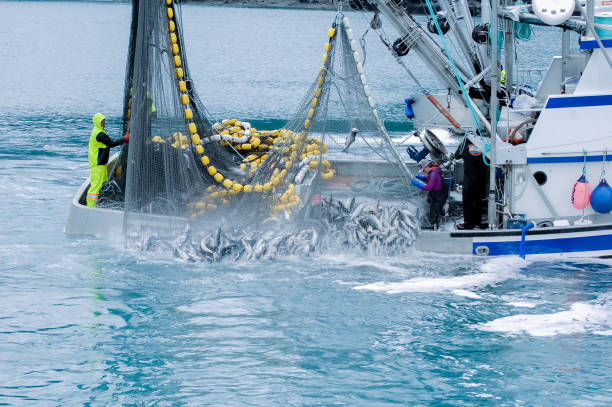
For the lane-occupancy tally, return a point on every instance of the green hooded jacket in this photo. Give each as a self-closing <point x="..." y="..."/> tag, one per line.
<point x="94" y="145"/>
<point x="100" y="144"/>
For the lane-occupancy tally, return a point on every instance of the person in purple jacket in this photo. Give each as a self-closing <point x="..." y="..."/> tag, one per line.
<point x="431" y="181"/>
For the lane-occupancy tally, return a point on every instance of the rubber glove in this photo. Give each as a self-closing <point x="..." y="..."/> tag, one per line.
<point x="126" y="136"/>
<point x="418" y="183"/>
<point x="422" y="177"/>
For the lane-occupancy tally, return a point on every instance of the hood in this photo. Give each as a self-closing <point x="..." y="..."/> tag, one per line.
<point x="97" y="120"/>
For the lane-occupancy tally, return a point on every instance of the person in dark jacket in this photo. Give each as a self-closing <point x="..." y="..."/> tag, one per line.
<point x="99" y="151"/>
<point x="474" y="185"/>
<point x="438" y="192"/>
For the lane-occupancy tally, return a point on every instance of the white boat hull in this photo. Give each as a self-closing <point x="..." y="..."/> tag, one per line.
<point x="571" y="241"/>
<point x="84" y="220"/>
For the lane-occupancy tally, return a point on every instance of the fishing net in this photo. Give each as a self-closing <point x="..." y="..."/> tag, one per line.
<point x="331" y="172"/>
<point x="335" y="133"/>
<point x="167" y="165"/>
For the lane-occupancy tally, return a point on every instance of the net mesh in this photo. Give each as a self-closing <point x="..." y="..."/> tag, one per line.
<point x="331" y="174"/>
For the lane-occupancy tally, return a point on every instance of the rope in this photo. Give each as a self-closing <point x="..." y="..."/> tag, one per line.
<point x="500" y="39"/>
<point x="603" y="165"/>
<point x="522" y="31"/>
<point x="584" y="175"/>
<point x="362" y="42"/>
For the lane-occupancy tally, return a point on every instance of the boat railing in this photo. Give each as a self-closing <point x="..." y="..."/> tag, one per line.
<point x="530" y="77"/>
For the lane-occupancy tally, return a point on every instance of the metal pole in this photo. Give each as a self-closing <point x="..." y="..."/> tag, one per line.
<point x="461" y="37"/>
<point x="492" y="212"/>
<point x="485" y="16"/>
<point x="590" y="18"/>
<point x="590" y="11"/>
<point x="509" y="45"/>
<point x="565" y="50"/>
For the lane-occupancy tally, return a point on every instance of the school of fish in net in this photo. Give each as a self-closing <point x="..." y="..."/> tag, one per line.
<point x="354" y="227"/>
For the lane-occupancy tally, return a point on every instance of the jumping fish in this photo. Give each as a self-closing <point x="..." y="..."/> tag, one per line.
<point x="350" y="139"/>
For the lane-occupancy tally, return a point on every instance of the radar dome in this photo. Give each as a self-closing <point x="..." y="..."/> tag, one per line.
<point x="553" y="12"/>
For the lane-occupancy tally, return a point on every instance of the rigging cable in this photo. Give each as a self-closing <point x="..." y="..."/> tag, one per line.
<point x="487" y="146"/>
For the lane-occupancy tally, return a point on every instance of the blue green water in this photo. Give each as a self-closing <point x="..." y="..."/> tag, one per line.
<point x="85" y="322"/>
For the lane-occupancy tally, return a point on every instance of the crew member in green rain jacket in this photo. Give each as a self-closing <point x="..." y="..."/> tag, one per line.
<point x="99" y="151"/>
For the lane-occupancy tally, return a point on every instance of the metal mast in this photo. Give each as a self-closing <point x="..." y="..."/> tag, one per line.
<point x="492" y="207"/>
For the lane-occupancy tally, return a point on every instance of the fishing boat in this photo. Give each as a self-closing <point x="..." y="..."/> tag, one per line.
<point x="543" y="153"/>
<point x="541" y="145"/>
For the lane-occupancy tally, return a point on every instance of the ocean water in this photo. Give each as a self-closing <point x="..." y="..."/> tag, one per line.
<point x="85" y="322"/>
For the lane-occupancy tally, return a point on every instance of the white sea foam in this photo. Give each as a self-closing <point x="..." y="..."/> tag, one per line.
<point x="392" y="267"/>
<point x="464" y="384"/>
<point x="485" y="395"/>
<point x="580" y="318"/>
<point x="522" y="304"/>
<point x="493" y="272"/>
<point x="466" y="293"/>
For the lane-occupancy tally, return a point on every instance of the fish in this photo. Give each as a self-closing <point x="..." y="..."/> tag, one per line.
<point x="350" y="139"/>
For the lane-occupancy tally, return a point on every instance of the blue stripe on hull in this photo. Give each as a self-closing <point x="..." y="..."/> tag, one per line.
<point x="566" y="159"/>
<point x="561" y="245"/>
<point x="579" y="101"/>
<point x="590" y="44"/>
